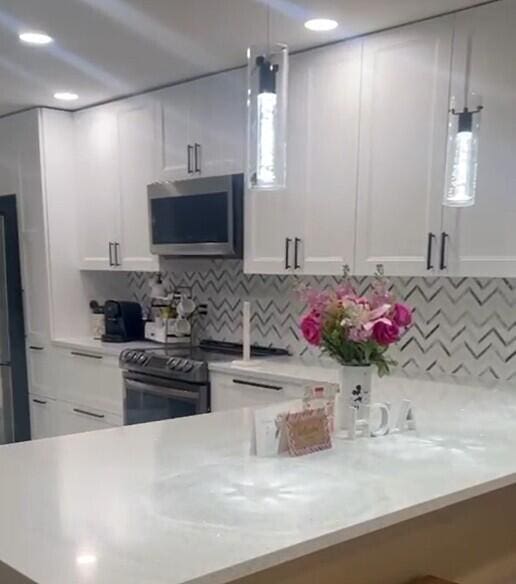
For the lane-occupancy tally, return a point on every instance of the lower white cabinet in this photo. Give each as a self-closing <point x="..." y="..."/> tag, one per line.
<point x="230" y="392"/>
<point x="73" y="391"/>
<point x="43" y="417"/>
<point x="76" y="418"/>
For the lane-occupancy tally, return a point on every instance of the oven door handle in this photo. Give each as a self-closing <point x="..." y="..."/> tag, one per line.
<point x="131" y="384"/>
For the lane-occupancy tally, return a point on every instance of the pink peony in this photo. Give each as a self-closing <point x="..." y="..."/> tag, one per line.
<point x="385" y="332"/>
<point x="312" y="329"/>
<point x="402" y="315"/>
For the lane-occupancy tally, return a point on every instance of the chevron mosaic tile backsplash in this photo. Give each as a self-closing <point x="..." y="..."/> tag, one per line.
<point x="463" y="326"/>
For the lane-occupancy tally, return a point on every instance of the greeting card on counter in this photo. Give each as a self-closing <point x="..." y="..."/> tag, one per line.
<point x="308" y="432"/>
<point x="269" y="437"/>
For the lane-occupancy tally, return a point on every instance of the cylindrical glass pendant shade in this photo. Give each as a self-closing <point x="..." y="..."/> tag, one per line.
<point x="267" y="117"/>
<point x="462" y="157"/>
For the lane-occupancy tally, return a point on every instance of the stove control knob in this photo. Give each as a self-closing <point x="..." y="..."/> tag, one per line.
<point x="134" y="357"/>
<point x="172" y="363"/>
<point x="189" y="367"/>
<point x="142" y="359"/>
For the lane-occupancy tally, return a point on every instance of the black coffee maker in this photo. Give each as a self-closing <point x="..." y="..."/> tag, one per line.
<point x="123" y="321"/>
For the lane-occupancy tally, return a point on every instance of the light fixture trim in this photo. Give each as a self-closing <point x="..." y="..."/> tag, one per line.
<point x="66" y="96"/>
<point x="321" y="24"/>
<point x="33" y="37"/>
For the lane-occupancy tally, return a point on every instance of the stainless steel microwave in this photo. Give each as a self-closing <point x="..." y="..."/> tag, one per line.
<point x="197" y="217"/>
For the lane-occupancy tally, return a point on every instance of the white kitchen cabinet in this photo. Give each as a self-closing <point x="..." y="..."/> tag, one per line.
<point x="43" y="417"/>
<point x="309" y="228"/>
<point x="75" y="418"/>
<point x="404" y="116"/>
<point x="138" y="142"/>
<point x="234" y="391"/>
<point x="117" y="158"/>
<point x="482" y="238"/>
<point x="203" y="127"/>
<point x="92" y="380"/>
<point x="42" y="370"/>
<point x="98" y="218"/>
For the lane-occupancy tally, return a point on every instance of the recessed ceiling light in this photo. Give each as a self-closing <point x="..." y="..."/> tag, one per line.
<point x="321" y="24"/>
<point x="66" y="96"/>
<point x="35" y="38"/>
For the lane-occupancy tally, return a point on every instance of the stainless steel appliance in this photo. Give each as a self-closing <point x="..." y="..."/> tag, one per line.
<point x="198" y="217"/>
<point x="173" y="382"/>
<point x="14" y="401"/>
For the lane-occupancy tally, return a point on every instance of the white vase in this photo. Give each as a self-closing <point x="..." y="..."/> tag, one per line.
<point x="355" y="391"/>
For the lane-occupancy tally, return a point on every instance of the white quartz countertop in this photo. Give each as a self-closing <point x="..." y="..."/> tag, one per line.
<point x="183" y="501"/>
<point x="92" y="345"/>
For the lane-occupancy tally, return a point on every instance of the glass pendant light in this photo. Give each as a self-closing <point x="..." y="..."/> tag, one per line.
<point x="267" y="115"/>
<point x="462" y="157"/>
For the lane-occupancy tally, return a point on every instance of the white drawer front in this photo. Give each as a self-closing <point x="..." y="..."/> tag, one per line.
<point x="91" y="380"/>
<point x="76" y="418"/>
<point x="229" y="392"/>
<point x="43" y="417"/>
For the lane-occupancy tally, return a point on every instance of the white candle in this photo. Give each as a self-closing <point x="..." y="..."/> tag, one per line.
<point x="246" y="331"/>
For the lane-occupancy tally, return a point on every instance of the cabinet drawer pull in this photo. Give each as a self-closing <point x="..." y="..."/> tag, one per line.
<point x="297" y="243"/>
<point x="444" y="241"/>
<point x="86" y="355"/>
<point x="40" y="402"/>
<point x="189" y="152"/>
<point x="429" y="252"/>
<point x="197" y="157"/>
<point x="91" y="414"/>
<point x="34" y="348"/>
<point x="259" y="385"/>
<point x="288" y="241"/>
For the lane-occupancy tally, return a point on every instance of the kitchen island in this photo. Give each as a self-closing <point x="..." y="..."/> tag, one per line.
<point x="184" y="501"/>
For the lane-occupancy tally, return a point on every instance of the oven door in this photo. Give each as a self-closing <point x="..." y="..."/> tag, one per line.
<point x="193" y="218"/>
<point x="150" y="399"/>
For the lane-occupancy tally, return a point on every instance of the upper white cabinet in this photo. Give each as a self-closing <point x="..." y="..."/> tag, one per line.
<point x="117" y="159"/>
<point x="203" y="127"/>
<point x="482" y="238"/>
<point x="404" y="116"/>
<point x="138" y="140"/>
<point x="98" y="220"/>
<point x="309" y="228"/>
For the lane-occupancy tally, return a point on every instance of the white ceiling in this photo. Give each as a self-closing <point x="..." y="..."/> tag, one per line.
<point x="109" y="48"/>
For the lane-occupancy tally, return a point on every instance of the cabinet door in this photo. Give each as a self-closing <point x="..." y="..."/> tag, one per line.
<point x="273" y="218"/>
<point x="138" y="155"/>
<point x="220" y="125"/>
<point x="75" y="418"/>
<point x="405" y="99"/>
<point x="326" y="157"/>
<point x="41" y="370"/>
<point x="43" y="417"/>
<point x="98" y="186"/>
<point x="483" y="237"/>
<point x="177" y="103"/>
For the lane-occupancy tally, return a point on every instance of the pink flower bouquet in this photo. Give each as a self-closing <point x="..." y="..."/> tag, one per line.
<point x="356" y="330"/>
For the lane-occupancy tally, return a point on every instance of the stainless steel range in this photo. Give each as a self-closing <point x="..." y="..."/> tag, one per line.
<point x="173" y="382"/>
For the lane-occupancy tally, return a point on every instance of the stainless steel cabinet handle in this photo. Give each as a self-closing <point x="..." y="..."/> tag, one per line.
<point x="40" y="402"/>
<point x="34" y="348"/>
<point x="429" y="252"/>
<point x="297" y="242"/>
<point x="189" y="152"/>
<point x="86" y="355"/>
<point x="258" y="385"/>
<point x="197" y="157"/>
<point x="111" y="255"/>
<point x="288" y="241"/>
<point x="91" y="414"/>
<point x="117" y="254"/>
<point x="444" y="242"/>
